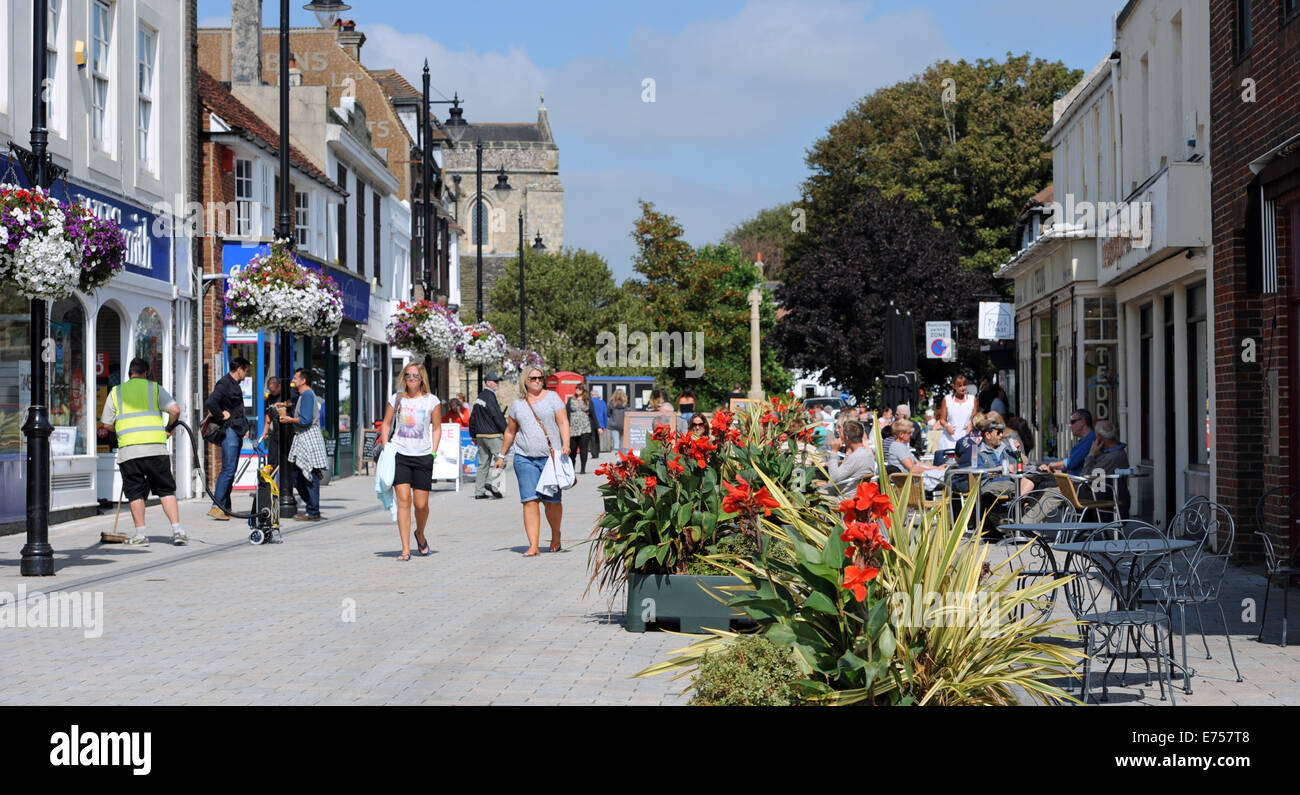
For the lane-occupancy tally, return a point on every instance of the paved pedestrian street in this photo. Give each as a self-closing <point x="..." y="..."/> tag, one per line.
<point x="330" y="616"/>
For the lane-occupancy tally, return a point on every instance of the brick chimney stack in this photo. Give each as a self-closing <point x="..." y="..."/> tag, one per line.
<point x="349" y="38"/>
<point x="246" y="42"/>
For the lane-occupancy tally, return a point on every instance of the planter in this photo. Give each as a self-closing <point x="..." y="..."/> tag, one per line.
<point x="652" y="598"/>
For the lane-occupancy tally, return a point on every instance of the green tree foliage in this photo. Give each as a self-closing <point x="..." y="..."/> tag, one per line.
<point x="962" y="141"/>
<point x="570" y="297"/>
<point x="769" y="233"/>
<point x="885" y="251"/>
<point x="703" y="290"/>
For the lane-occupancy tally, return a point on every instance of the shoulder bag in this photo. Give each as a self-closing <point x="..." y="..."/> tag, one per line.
<point x="558" y="473"/>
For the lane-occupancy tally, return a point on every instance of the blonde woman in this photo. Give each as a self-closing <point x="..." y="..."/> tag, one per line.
<point x="413" y="416"/>
<point x="538" y="422"/>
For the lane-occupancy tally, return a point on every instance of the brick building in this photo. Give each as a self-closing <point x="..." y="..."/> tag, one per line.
<point x="1255" y="125"/>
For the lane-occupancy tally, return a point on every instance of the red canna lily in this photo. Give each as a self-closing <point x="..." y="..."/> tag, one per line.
<point x="650" y="484"/>
<point x="675" y="466"/>
<point x="766" y="501"/>
<point x="737" y="496"/>
<point x="856" y="579"/>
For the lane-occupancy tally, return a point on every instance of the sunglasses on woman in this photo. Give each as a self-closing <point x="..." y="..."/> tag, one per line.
<point x="698" y="425"/>
<point x="536" y="378"/>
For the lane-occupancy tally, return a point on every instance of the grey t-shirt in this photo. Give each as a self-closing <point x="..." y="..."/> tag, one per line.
<point x="134" y="451"/>
<point x="530" y="441"/>
<point x="896" y="453"/>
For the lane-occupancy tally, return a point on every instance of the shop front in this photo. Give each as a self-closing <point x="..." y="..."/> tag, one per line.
<point x="93" y="339"/>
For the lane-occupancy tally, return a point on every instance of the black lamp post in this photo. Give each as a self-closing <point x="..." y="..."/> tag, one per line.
<point x="37" y="554"/>
<point x="428" y="240"/>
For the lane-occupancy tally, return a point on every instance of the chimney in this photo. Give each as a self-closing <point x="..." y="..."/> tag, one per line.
<point x="246" y="42"/>
<point x="295" y="72"/>
<point x="349" y="38"/>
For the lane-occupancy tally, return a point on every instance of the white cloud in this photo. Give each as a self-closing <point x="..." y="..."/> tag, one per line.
<point x="214" y="22"/>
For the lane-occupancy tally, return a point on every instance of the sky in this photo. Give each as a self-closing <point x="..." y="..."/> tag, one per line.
<point x="741" y="88"/>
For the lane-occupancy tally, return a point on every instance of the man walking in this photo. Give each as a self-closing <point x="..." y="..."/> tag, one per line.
<point x="134" y="410"/>
<point x="601" y="411"/>
<point x="487" y="426"/>
<point x="227" y="403"/>
<point x="307" y="455"/>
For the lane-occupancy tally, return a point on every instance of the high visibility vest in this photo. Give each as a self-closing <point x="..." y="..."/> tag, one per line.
<point x="139" y="418"/>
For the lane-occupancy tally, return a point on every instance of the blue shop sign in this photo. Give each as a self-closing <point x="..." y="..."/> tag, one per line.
<point x="355" y="290"/>
<point x="148" y="239"/>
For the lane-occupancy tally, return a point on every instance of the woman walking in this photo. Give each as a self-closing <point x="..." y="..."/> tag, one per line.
<point x="412" y="415"/>
<point x="536" y="421"/>
<point x="617" y="408"/>
<point x="582" y="423"/>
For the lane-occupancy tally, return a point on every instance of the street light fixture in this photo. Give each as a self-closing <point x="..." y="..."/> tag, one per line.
<point x="284" y="231"/>
<point x="327" y="11"/>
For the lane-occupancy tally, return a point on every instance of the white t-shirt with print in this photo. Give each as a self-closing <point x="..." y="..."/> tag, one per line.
<point x="413" y="424"/>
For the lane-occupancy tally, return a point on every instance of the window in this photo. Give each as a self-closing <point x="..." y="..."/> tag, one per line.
<point x="100" y="75"/>
<point x="1198" y="392"/>
<point x="302" y="219"/>
<point x="68" y="375"/>
<point x="1100" y="352"/>
<point x="1146" y="333"/>
<point x="343" y="219"/>
<point x="146" y="50"/>
<point x="54" y="118"/>
<point x="480" y="222"/>
<point x="361" y="227"/>
<point x="1244" y="39"/>
<point x="377" y="221"/>
<point x="243" y="197"/>
<point x="1046" y="396"/>
<point x="268" y="199"/>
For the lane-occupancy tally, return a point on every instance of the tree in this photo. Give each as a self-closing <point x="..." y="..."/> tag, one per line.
<point x="570" y="297"/>
<point x="961" y="141"/>
<point x="769" y="233"/>
<point x="886" y="250"/>
<point x="704" y="291"/>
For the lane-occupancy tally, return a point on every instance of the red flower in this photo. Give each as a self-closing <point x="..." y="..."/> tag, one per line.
<point x="631" y="460"/>
<point x="733" y="436"/>
<point x="650" y="484"/>
<point x="662" y="433"/>
<point x="675" y="466"/>
<point x="700" y="449"/>
<point x="856" y="579"/>
<point x="768" y="418"/>
<point x="766" y="501"/>
<point x="737" y="496"/>
<point x="869" y="500"/>
<point x="720" y="422"/>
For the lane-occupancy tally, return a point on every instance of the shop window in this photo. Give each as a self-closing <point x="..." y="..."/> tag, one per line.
<point x="1100" y="354"/>
<point x="108" y="370"/>
<point x="15" y="374"/>
<point x="149" y="341"/>
<point x="1198" y="392"/>
<point x="68" y="378"/>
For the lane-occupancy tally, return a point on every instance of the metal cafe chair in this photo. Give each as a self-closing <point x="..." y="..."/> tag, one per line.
<point x="1197" y="574"/>
<point x="1275" y="565"/>
<point x="1109" y="566"/>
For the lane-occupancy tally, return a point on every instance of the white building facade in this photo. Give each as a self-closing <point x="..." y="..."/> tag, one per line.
<point x="115" y="102"/>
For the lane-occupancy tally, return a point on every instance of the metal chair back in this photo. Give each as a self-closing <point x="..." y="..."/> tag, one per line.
<point x="1109" y="577"/>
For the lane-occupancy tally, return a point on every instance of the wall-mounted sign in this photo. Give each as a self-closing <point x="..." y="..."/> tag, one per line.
<point x="997" y="321"/>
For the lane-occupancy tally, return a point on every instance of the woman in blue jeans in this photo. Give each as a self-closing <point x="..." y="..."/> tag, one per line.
<point x="536" y="424"/>
<point x="227" y="403"/>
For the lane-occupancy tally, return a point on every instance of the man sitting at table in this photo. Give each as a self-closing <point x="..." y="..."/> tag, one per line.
<point x="858" y="464"/>
<point x="994" y="453"/>
<point x="1081" y="429"/>
<point x="1108" y="454"/>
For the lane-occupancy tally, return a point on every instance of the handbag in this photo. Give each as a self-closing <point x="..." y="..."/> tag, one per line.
<point x="558" y="473"/>
<point x="212" y="430"/>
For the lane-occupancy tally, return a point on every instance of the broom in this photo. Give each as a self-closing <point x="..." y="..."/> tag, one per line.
<point x="115" y="537"/>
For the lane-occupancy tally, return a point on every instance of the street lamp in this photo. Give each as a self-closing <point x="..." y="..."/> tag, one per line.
<point x="327" y="11"/>
<point x="37" y="554"/>
<point x="284" y="231"/>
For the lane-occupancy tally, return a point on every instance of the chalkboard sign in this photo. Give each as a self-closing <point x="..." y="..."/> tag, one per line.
<point x="638" y="425"/>
<point x="370" y="451"/>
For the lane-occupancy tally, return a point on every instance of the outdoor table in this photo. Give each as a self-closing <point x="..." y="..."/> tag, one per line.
<point x="1110" y="555"/>
<point x="1054" y="532"/>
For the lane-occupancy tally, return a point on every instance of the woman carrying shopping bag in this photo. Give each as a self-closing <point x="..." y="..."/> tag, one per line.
<point x="537" y="422"/>
<point x="413" y="416"/>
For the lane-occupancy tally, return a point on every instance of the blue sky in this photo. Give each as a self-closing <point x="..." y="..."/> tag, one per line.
<point x="742" y="87"/>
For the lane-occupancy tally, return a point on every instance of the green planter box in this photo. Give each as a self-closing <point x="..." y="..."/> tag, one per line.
<point x="651" y="598"/>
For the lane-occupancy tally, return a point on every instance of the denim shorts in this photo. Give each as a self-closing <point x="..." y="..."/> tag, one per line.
<point x="528" y="471"/>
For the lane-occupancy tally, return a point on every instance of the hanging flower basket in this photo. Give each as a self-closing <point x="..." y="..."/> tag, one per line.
<point x="38" y="257"/>
<point x="482" y="346"/>
<point x="274" y="292"/>
<point x="426" y="328"/>
<point x="102" y="245"/>
<point x="519" y="360"/>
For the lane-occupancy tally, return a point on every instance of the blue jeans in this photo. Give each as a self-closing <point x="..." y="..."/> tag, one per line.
<point x="230" y="447"/>
<point x="308" y="489"/>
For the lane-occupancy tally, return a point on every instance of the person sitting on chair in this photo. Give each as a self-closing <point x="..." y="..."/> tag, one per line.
<point x="993" y="453"/>
<point x="858" y="464"/>
<point x="898" y="452"/>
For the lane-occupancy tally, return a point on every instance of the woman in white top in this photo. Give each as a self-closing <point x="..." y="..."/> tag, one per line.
<point x="535" y="425"/>
<point x="418" y="415"/>
<point x="954" y="414"/>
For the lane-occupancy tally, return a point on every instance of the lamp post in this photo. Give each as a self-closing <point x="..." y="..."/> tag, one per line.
<point x="37" y="554"/>
<point x="428" y="239"/>
<point x="538" y="247"/>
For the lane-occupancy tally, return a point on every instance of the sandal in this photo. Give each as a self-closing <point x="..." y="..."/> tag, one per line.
<point x="406" y="556"/>
<point x="424" y="549"/>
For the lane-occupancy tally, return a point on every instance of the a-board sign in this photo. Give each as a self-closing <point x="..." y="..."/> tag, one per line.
<point x="446" y="465"/>
<point x="370" y="447"/>
<point x="638" y="425"/>
<point x="740" y="404"/>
